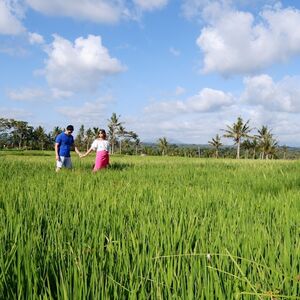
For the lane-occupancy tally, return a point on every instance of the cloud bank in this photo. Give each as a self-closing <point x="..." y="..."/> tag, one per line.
<point x="236" y="43"/>
<point x="9" y="22"/>
<point x="79" y="66"/>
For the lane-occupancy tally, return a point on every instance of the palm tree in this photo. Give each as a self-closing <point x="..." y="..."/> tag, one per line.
<point x="267" y="142"/>
<point x="250" y="145"/>
<point x="255" y="146"/>
<point x="272" y="148"/>
<point x="121" y="133"/>
<point x="89" y="136"/>
<point x="137" y="143"/>
<point x="216" y="143"/>
<point x="125" y="135"/>
<point x="136" y="140"/>
<point x="5" y="124"/>
<point x="40" y="136"/>
<point x="163" y="145"/>
<point x="20" y="132"/>
<point x="247" y="145"/>
<point x="79" y="140"/>
<point x="96" y="132"/>
<point x="126" y="144"/>
<point x="56" y="131"/>
<point x="113" y="127"/>
<point x="285" y="150"/>
<point x="237" y="132"/>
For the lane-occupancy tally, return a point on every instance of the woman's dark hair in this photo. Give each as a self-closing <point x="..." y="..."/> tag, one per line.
<point x="102" y="131"/>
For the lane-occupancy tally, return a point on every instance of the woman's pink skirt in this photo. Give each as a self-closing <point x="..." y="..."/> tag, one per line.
<point x="102" y="160"/>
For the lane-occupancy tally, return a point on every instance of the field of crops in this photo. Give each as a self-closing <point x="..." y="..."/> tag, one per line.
<point x="149" y="228"/>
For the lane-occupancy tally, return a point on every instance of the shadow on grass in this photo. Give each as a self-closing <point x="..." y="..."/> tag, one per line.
<point x="119" y="166"/>
<point x="113" y="167"/>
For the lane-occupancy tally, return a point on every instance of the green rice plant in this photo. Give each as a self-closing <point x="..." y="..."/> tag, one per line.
<point x="149" y="228"/>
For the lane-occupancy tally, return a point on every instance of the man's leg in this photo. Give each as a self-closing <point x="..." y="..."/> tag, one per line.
<point x="59" y="163"/>
<point x="68" y="162"/>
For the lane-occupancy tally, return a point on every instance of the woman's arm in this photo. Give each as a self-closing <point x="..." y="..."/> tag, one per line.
<point x="87" y="153"/>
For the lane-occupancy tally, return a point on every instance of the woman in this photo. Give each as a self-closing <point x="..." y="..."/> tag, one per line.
<point x="101" y="146"/>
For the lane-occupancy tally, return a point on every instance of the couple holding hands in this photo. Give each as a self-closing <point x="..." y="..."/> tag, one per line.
<point x="65" y="140"/>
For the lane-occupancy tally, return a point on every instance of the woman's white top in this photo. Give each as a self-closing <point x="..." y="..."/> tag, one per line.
<point x="100" y="145"/>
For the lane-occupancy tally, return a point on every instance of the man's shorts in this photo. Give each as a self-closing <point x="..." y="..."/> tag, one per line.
<point x="64" y="162"/>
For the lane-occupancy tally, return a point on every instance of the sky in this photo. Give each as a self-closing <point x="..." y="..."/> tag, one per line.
<point x="180" y="69"/>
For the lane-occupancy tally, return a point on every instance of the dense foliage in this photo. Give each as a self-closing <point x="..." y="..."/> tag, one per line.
<point x="20" y="135"/>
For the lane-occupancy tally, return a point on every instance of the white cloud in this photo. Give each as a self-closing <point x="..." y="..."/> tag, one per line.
<point x="35" y="38"/>
<point x="13" y="49"/>
<point x="102" y="11"/>
<point x="27" y="94"/>
<point x="201" y="127"/>
<point x="198" y="119"/>
<point x="281" y="96"/>
<point x="206" y="100"/>
<point x="194" y="8"/>
<point x="38" y="94"/>
<point x="99" y="11"/>
<point x="185" y="128"/>
<point x="9" y="22"/>
<point x="59" y="94"/>
<point x="198" y="8"/>
<point x="79" y="66"/>
<point x="15" y="113"/>
<point x="209" y="100"/>
<point x="284" y="125"/>
<point x="150" y="4"/>
<point x="235" y="43"/>
<point x="90" y="113"/>
<point x="286" y="128"/>
<point x="171" y="107"/>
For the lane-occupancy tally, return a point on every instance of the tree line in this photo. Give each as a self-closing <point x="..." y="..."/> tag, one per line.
<point x="16" y="134"/>
<point x="262" y="144"/>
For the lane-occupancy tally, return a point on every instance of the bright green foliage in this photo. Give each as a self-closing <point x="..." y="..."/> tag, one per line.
<point x="149" y="228"/>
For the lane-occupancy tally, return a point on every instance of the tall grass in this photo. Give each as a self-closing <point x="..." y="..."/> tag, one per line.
<point x="149" y="228"/>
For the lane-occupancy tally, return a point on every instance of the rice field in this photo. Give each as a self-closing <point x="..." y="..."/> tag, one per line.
<point x="149" y="228"/>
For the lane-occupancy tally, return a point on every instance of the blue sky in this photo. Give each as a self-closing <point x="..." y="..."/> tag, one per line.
<point x="183" y="69"/>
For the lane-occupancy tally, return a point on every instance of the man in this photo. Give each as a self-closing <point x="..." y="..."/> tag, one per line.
<point x="63" y="143"/>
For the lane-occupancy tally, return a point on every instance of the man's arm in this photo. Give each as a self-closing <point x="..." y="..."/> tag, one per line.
<point x="56" y="151"/>
<point x="76" y="150"/>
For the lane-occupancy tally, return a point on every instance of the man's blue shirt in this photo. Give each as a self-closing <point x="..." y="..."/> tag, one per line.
<point x="65" y="142"/>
